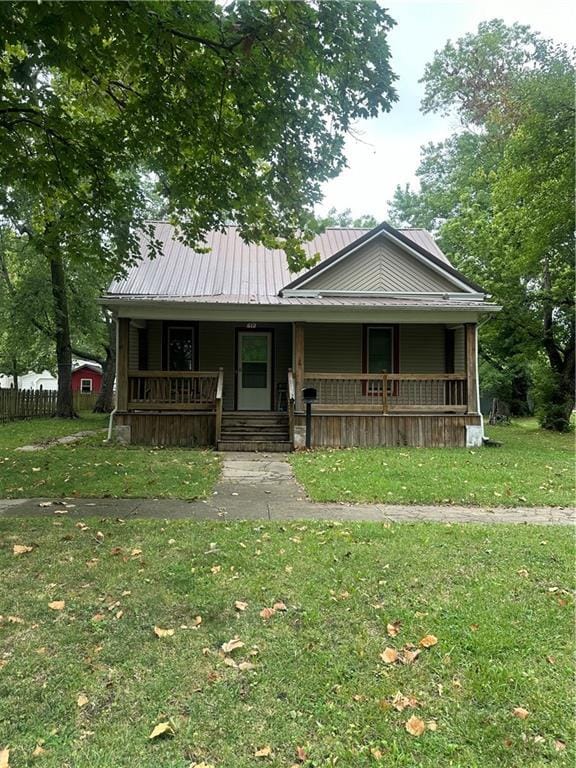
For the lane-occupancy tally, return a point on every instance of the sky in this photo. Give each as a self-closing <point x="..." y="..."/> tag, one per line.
<point x="386" y="151"/>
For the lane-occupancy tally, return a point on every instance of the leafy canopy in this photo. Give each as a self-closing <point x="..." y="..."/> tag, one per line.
<point x="240" y="109"/>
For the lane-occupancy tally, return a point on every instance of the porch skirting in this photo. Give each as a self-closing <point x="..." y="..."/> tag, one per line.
<point x="183" y="429"/>
<point x="352" y="430"/>
<point x="329" y="430"/>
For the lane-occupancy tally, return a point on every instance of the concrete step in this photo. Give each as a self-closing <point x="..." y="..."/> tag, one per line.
<point x="261" y="446"/>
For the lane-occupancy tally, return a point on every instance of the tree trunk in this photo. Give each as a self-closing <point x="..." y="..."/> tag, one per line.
<point x="105" y="401"/>
<point x="15" y="373"/>
<point x="64" y="401"/>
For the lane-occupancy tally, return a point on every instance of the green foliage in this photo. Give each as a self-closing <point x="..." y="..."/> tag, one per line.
<point x="554" y="408"/>
<point x="499" y="193"/>
<point x="240" y="109"/>
<point x="345" y="218"/>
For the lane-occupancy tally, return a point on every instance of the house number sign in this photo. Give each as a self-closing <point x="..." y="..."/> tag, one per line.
<point x="250" y="325"/>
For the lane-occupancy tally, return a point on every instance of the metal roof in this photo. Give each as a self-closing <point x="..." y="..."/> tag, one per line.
<point x="232" y="271"/>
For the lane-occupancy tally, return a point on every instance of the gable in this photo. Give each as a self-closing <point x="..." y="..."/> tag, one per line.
<point x="381" y="266"/>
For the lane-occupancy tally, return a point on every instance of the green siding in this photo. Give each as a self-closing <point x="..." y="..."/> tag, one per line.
<point x="384" y="267"/>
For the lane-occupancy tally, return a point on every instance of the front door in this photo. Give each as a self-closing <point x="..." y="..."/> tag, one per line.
<point x="254" y="370"/>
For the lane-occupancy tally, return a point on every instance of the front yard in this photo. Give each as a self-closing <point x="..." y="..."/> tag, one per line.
<point x="92" y="468"/>
<point x="532" y="468"/>
<point x="84" y="679"/>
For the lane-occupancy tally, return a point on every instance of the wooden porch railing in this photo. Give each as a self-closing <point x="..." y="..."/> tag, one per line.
<point x="172" y="390"/>
<point x="291" y="404"/>
<point x="219" y="394"/>
<point x="389" y="392"/>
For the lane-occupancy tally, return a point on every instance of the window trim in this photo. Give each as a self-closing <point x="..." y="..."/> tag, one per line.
<point x="83" y="391"/>
<point x="169" y="324"/>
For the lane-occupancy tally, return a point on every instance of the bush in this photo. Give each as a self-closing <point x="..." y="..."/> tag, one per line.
<point x="554" y="401"/>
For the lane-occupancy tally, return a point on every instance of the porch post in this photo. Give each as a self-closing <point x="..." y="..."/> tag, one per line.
<point x="472" y="366"/>
<point x="122" y="378"/>
<point x="299" y="363"/>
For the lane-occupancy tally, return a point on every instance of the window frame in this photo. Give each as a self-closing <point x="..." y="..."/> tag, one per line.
<point x="84" y="391"/>
<point x="169" y="325"/>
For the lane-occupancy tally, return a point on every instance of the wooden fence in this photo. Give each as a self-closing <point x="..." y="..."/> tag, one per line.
<point x="38" y="403"/>
<point x="26" y="404"/>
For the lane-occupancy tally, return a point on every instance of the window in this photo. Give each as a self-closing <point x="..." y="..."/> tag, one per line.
<point x="380" y="354"/>
<point x="86" y="385"/>
<point x="181" y="348"/>
<point x="379" y="349"/>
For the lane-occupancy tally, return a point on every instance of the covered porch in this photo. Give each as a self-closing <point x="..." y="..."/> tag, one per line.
<point x="184" y="382"/>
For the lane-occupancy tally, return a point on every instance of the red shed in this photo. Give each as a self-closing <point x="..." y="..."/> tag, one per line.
<point x="86" y="377"/>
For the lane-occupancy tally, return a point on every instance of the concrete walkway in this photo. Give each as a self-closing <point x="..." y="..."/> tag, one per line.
<point x="262" y="487"/>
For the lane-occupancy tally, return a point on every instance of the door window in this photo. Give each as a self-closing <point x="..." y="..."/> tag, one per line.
<point x="379" y="353"/>
<point x="254" y="362"/>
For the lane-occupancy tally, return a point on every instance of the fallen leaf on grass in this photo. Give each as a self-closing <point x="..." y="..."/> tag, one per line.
<point x="38" y="751"/>
<point x="301" y="755"/>
<point x="202" y="765"/>
<point x="263" y="752"/>
<point x="246" y="666"/>
<point x="162" y="729"/>
<point x="159" y="632"/>
<point x="389" y="655"/>
<point x="393" y="628"/>
<point x="216" y="569"/>
<point x="520" y="713"/>
<point x="522" y="572"/>
<point x="377" y="754"/>
<point x="428" y="641"/>
<point x="21" y="549"/>
<point x="280" y="606"/>
<point x="267" y="613"/>
<point x="82" y="700"/>
<point x="401" y="702"/>
<point x="57" y="605"/>
<point x="559" y="745"/>
<point x="409" y="657"/>
<point x="232" y="645"/>
<point x="432" y="725"/>
<point x="136" y="552"/>
<point x="4" y="758"/>
<point x="415" y="726"/>
<point x="240" y="606"/>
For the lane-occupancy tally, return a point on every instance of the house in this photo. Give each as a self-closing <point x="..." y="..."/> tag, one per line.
<point x="216" y="347"/>
<point x="31" y="380"/>
<point x="86" y="377"/>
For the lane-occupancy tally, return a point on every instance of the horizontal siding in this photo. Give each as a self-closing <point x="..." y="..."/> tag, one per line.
<point x="154" y="345"/>
<point x="330" y="348"/>
<point x="459" y="350"/>
<point x="422" y="349"/>
<point x="381" y="266"/>
<point x="133" y="362"/>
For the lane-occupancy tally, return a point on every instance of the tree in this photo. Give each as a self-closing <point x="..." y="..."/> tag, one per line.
<point x="26" y="314"/>
<point x="499" y="195"/>
<point x="345" y="218"/>
<point x="239" y="109"/>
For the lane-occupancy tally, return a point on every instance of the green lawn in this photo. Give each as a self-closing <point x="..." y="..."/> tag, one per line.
<point x="92" y="468"/>
<point x="32" y="431"/>
<point x="497" y="598"/>
<point x="532" y="468"/>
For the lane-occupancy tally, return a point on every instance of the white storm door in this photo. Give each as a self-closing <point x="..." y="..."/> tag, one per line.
<point x="254" y="371"/>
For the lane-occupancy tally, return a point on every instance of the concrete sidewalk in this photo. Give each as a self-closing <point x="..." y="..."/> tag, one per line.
<point x="263" y="487"/>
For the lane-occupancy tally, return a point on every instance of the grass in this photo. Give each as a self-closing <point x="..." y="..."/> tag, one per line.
<point x="532" y="468"/>
<point x="92" y="468"/>
<point x="497" y="598"/>
<point x="32" y="431"/>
